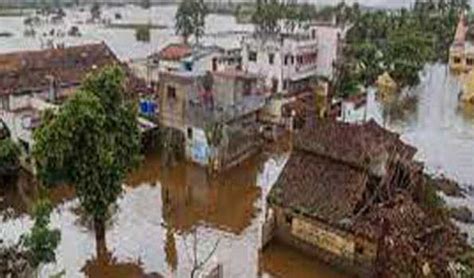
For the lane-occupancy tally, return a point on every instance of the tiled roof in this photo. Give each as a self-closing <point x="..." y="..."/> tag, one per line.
<point x="319" y="187"/>
<point x="33" y="70"/>
<point x="350" y="143"/>
<point x="175" y="51"/>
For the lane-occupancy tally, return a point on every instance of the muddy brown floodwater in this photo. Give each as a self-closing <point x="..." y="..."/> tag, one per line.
<point x="162" y="215"/>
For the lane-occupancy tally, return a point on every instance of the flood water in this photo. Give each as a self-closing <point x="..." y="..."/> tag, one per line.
<point x="122" y="41"/>
<point x="162" y="214"/>
<point x="442" y="131"/>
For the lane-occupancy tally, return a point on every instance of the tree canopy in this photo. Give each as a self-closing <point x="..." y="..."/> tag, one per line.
<point x="191" y="19"/>
<point x="399" y="42"/>
<point x="9" y="156"/>
<point x="92" y="142"/>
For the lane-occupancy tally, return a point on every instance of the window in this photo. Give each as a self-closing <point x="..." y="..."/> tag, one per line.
<point x="470" y="61"/>
<point x="285" y="84"/>
<point x="313" y="33"/>
<point x="253" y="56"/>
<point x="287" y="59"/>
<point x="214" y="64"/>
<point x="359" y="249"/>
<point x="274" y="85"/>
<point x="271" y="58"/>
<point x="190" y="133"/>
<point x="457" y="60"/>
<point x="171" y="92"/>
<point x="288" y="219"/>
<point x="247" y="88"/>
<point x="292" y="59"/>
<point x="4" y="103"/>
<point x="299" y="59"/>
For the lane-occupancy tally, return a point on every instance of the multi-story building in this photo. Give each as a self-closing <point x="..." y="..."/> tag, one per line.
<point x="194" y="108"/>
<point x="286" y="61"/>
<point x="188" y="58"/>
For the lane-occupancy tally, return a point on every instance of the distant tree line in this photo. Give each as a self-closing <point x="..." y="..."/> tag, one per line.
<point x="400" y="42"/>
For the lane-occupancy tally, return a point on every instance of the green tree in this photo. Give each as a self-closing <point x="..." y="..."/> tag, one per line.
<point x="191" y="19"/>
<point x="267" y="16"/>
<point x="41" y="241"/>
<point x="9" y="156"/>
<point x="92" y="142"/>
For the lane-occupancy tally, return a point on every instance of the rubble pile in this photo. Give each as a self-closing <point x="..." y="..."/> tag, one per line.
<point x="411" y="242"/>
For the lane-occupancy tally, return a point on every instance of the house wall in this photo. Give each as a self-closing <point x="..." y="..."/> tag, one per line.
<point x="329" y="244"/>
<point x="197" y="148"/>
<point x="16" y="125"/>
<point x="19" y="101"/>
<point x="461" y="59"/>
<point x="262" y="66"/>
<point x="291" y="72"/>
<point x="172" y="110"/>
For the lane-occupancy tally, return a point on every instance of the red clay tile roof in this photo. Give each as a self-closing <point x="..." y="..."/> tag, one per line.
<point x="319" y="187"/>
<point x="31" y="70"/>
<point x="175" y="51"/>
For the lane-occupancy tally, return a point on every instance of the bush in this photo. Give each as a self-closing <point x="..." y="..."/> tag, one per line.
<point x="41" y="242"/>
<point x="9" y="156"/>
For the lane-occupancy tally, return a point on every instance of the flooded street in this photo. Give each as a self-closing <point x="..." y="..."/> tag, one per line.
<point x="160" y="217"/>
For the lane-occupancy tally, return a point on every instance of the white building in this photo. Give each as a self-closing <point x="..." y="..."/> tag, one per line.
<point x="286" y="61"/>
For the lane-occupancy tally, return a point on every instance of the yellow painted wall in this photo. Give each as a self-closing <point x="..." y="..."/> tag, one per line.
<point x="324" y="239"/>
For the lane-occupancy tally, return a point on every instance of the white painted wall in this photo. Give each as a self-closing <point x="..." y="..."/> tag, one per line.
<point x="278" y="70"/>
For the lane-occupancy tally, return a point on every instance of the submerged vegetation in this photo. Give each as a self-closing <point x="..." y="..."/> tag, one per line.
<point x="400" y="42"/>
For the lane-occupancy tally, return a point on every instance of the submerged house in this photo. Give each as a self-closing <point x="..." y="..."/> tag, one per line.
<point x="32" y="81"/>
<point x="223" y="107"/>
<point x="319" y="201"/>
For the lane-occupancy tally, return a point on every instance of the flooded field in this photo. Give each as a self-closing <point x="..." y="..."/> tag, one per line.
<point x="220" y="30"/>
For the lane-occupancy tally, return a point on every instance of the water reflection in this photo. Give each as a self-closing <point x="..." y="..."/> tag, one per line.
<point x="165" y="222"/>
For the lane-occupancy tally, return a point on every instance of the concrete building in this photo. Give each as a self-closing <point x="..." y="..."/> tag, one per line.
<point x="189" y="58"/>
<point x="227" y="108"/>
<point x="286" y="61"/>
